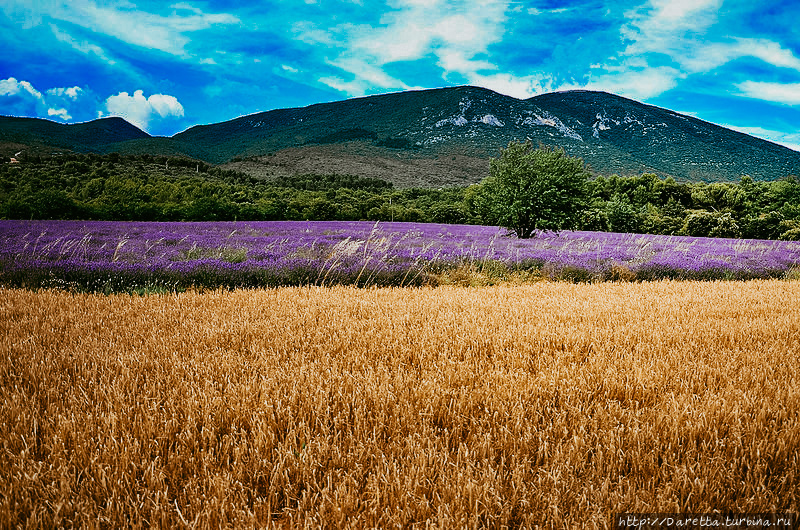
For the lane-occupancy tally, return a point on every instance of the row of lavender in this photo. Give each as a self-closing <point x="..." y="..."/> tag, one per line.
<point x="124" y="256"/>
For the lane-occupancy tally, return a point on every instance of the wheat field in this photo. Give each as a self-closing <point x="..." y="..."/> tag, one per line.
<point x="547" y="405"/>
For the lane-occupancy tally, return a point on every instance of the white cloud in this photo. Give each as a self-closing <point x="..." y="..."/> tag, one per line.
<point x="367" y="74"/>
<point x="53" y="102"/>
<point x="82" y="46"/>
<point x="140" y="110"/>
<point x="768" y="51"/>
<point x="71" y="92"/>
<point x="457" y="35"/>
<point x="788" y="94"/>
<point x="639" y="84"/>
<point x="122" y="20"/>
<point x="669" y="28"/>
<point x="148" y="30"/>
<point x="659" y="24"/>
<point x="61" y="113"/>
<point x="12" y="87"/>
<point x="22" y="13"/>
<point x="310" y="34"/>
<point x="679" y="11"/>
<point x="456" y="61"/>
<point x="536" y="11"/>
<point x="520" y="87"/>
<point x="356" y="87"/>
<point x="660" y="28"/>
<point x="786" y="139"/>
<point x="706" y="57"/>
<point x="459" y="38"/>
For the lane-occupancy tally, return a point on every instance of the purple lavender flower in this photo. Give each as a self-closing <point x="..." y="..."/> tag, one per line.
<point x="250" y="254"/>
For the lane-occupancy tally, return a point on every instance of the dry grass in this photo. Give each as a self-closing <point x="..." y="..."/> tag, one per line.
<point x="545" y="404"/>
<point x="403" y="168"/>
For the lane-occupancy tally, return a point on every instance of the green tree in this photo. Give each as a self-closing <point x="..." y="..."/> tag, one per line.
<point x="533" y="189"/>
<point x="622" y="214"/>
<point x="702" y="223"/>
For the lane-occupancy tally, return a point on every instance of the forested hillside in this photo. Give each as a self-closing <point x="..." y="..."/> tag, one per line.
<point x="148" y="188"/>
<point x="433" y="138"/>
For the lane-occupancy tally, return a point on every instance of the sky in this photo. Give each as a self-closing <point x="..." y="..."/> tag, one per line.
<point x="167" y="66"/>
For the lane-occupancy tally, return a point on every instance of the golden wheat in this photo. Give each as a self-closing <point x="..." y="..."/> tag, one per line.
<point x="548" y="404"/>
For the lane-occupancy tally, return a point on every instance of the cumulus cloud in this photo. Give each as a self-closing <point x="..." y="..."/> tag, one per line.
<point x="59" y="102"/>
<point x="12" y="87"/>
<point x="71" y="92"/>
<point x="61" y="113"/>
<point x="140" y="110"/>
<point x="21" y="98"/>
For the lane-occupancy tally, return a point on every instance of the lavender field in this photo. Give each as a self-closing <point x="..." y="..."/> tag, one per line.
<point x="142" y="256"/>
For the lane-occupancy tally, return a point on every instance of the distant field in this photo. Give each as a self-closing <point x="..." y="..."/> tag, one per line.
<point x="550" y="404"/>
<point x="112" y="256"/>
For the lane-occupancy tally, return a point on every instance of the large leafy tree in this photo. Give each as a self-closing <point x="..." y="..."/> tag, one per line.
<point x="533" y="189"/>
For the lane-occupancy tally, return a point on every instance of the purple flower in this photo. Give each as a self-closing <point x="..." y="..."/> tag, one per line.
<point x="249" y="254"/>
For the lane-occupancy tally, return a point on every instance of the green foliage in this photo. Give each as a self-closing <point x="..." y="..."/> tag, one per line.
<point x="789" y="230"/>
<point x="763" y="226"/>
<point x="157" y="188"/>
<point x="595" y="219"/>
<point x="332" y="182"/>
<point x="533" y="189"/>
<point x="622" y="215"/>
<point x="711" y="224"/>
<point x="791" y="235"/>
<point x="114" y="187"/>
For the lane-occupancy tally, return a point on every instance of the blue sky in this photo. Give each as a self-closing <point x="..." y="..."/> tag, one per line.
<point x="168" y="66"/>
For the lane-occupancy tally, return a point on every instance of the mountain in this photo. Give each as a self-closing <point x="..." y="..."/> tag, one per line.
<point x="44" y="135"/>
<point x="443" y="136"/>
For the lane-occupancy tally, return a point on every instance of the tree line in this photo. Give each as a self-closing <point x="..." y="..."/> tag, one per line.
<point x="152" y="188"/>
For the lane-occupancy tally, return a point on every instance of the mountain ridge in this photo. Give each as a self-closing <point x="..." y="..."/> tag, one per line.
<point x="440" y="137"/>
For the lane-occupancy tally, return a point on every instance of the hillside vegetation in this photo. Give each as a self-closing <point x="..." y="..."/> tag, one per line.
<point x="432" y="138"/>
<point x="147" y="188"/>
